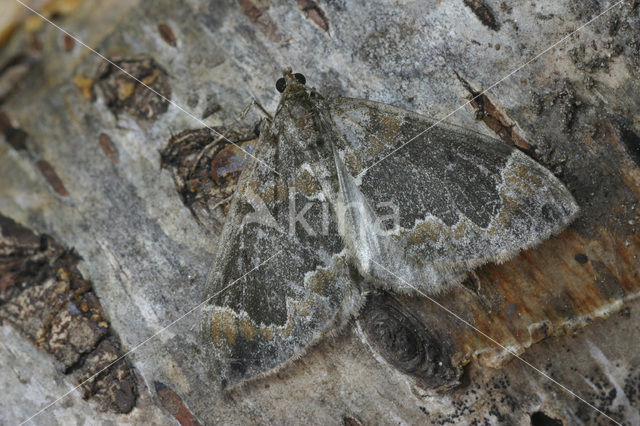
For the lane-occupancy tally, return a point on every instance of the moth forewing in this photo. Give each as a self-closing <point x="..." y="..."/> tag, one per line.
<point x="464" y="199"/>
<point x="271" y="311"/>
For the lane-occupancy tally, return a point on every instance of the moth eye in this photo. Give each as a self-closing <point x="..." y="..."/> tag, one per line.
<point x="300" y="78"/>
<point x="281" y="84"/>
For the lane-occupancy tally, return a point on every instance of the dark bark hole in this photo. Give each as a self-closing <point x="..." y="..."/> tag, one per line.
<point x="408" y="344"/>
<point x="632" y="142"/>
<point x="539" y="418"/>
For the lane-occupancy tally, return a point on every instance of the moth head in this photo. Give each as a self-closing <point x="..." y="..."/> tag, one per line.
<point x="290" y="82"/>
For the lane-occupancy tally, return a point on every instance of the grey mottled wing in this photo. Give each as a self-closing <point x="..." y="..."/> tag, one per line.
<point x="463" y="198"/>
<point x="264" y="312"/>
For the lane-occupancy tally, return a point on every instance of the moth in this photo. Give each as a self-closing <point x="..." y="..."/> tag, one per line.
<point x="328" y="210"/>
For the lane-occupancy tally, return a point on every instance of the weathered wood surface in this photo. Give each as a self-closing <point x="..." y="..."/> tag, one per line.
<point x="87" y="171"/>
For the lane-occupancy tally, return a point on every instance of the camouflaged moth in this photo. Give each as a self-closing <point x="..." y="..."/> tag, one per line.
<point x="460" y="199"/>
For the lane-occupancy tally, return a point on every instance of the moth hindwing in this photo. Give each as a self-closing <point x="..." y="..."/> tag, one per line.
<point x="341" y="223"/>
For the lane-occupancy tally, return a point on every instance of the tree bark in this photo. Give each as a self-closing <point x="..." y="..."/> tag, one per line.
<point x="100" y="164"/>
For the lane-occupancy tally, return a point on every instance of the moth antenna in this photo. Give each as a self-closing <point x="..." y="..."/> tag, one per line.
<point x="245" y="111"/>
<point x="316" y="93"/>
<point x="254" y="102"/>
<point x="266" y="114"/>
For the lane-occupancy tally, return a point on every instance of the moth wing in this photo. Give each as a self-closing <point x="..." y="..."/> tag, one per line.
<point x="463" y="199"/>
<point x="273" y="294"/>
